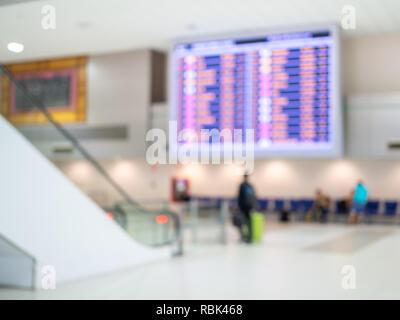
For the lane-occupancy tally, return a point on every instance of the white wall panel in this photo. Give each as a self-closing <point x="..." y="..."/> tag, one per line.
<point x="46" y="215"/>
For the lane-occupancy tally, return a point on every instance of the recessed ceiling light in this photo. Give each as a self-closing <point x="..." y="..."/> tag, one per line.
<point x="191" y="27"/>
<point x="15" y="47"/>
<point x="84" y="24"/>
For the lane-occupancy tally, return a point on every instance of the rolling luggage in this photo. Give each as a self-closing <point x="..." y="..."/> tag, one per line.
<point x="284" y="216"/>
<point x="238" y="219"/>
<point x="257" y="226"/>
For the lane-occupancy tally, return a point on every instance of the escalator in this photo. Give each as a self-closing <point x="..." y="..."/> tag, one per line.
<point x="147" y="226"/>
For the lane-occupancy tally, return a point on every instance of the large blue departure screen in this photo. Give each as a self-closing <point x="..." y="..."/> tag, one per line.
<point x="284" y="86"/>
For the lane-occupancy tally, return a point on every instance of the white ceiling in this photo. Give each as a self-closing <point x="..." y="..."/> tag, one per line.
<point x="96" y="26"/>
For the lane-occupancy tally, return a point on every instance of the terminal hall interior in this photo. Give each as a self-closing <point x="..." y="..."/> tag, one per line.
<point x="243" y="150"/>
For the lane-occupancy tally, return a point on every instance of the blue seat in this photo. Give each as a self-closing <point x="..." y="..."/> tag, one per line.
<point x="205" y="201"/>
<point x="340" y="207"/>
<point x="279" y="204"/>
<point x="390" y="208"/>
<point x="198" y="198"/>
<point x="305" y="205"/>
<point x="219" y="201"/>
<point x="294" y="205"/>
<point x="372" y="208"/>
<point x="232" y="203"/>
<point x="262" y="204"/>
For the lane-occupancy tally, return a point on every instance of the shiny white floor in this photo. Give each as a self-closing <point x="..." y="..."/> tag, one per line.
<point x="298" y="261"/>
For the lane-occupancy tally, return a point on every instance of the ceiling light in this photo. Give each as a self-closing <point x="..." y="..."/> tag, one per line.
<point x="84" y="24"/>
<point x="191" y="27"/>
<point x="15" y="47"/>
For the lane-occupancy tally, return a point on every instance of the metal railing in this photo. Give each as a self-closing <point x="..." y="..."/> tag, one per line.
<point x="133" y="213"/>
<point x="8" y="243"/>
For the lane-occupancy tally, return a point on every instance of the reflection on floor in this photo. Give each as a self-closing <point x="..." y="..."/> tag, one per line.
<point x="295" y="261"/>
<point x="351" y="242"/>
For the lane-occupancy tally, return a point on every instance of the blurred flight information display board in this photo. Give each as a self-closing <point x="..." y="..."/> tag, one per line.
<point x="284" y="86"/>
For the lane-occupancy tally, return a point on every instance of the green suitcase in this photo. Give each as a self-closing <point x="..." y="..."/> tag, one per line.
<point x="257" y="226"/>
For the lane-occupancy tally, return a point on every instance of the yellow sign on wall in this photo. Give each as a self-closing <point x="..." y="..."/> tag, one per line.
<point x="59" y="85"/>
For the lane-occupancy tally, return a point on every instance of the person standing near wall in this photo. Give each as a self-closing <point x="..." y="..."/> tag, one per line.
<point x="246" y="202"/>
<point x="359" y="201"/>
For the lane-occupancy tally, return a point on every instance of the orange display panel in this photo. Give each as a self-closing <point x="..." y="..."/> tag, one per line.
<point x="60" y="85"/>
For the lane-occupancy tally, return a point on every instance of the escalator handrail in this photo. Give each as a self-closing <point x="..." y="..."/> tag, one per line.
<point x="39" y="105"/>
<point x="172" y="214"/>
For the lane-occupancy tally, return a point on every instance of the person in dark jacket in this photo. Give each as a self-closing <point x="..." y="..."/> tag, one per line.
<point x="246" y="203"/>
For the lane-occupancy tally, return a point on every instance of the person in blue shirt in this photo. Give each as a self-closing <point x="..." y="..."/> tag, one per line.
<point x="359" y="201"/>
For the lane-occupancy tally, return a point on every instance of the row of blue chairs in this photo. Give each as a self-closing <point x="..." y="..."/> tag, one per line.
<point x="373" y="207"/>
